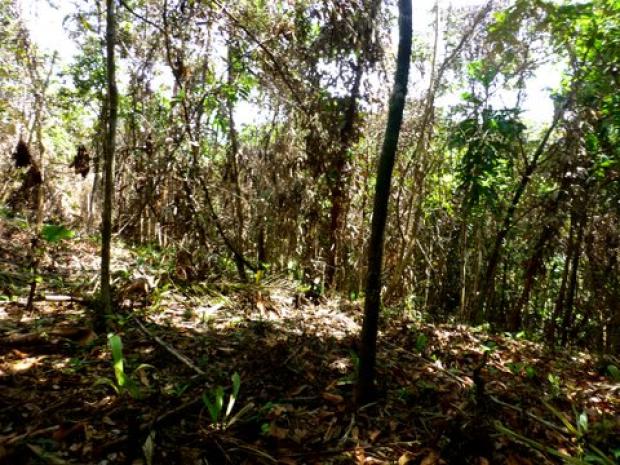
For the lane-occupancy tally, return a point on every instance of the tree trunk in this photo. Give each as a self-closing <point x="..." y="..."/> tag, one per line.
<point x="535" y="263"/>
<point x="108" y="161"/>
<point x="339" y="187"/>
<point x="559" y="302"/>
<point x="340" y="184"/>
<point x="568" y="318"/>
<point x="500" y="239"/>
<point x="533" y="267"/>
<point x="365" y="389"/>
<point x="233" y="152"/>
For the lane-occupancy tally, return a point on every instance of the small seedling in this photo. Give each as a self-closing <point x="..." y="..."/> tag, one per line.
<point x="214" y="402"/>
<point x="122" y="383"/>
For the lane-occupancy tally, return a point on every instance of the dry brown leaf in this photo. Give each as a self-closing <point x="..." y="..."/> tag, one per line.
<point x="373" y="435"/>
<point x="333" y="398"/>
<point x="277" y="410"/>
<point x="430" y="459"/>
<point x="360" y="455"/>
<point x="298" y="390"/>
<point x="287" y="461"/>
<point x="277" y="432"/>
<point x="406" y="458"/>
<point x="144" y="379"/>
<point x="64" y="431"/>
<point x="515" y="460"/>
<point x="393" y="425"/>
<point x="299" y="434"/>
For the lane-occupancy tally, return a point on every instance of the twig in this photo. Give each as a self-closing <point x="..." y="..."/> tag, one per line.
<point x="170" y="349"/>
<point x="38" y="432"/>
<point x="342" y="450"/>
<point x="529" y="414"/>
<point x="170" y="413"/>
<point x="64" y="298"/>
<point x="430" y="362"/>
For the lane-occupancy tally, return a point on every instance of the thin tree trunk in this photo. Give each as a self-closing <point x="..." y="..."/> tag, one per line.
<point x="559" y="302"/>
<point x="339" y="187"/>
<point x="340" y="184"/>
<point x="234" y="171"/>
<point x="568" y="318"/>
<point x="500" y="239"/>
<point x="534" y="264"/>
<point x="108" y="162"/>
<point x="365" y="389"/>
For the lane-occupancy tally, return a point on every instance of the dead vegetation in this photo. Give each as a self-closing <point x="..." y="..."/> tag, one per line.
<point x="449" y="394"/>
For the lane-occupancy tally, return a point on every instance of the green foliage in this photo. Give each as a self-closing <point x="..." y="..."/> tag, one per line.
<point x="213" y="400"/>
<point x="122" y="382"/>
<point x="421" y="342"/>
<point x="56" y="233"/>
<point x="482" y="71"/>
<point x="554" y="384"/>
<point x="488" y="145"/>
<point x="522" y="369"/>
<point x="614" y="373"/>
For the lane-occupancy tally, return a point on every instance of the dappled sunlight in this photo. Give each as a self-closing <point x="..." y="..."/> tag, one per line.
<point x="309" y="232"/>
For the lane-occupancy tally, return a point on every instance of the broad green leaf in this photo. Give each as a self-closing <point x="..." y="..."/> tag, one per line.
<point x="614" y="372"/>
<point x="56" y="233"/>
<point x="236" y="379"/>
<point x="116" y="346"/>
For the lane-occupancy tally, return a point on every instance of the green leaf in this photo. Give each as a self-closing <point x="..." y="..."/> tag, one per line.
<point x="214" y="407"/>
<point x="421" y="342"/>
<point x="108" y="382"/>
<point x="116" y="346"/>
<point x="614" y="372"/>
<point x="56" y="233"/>
<point x="567" y="424"/>
<point x="530" y="372"/>
<point x="582" y="421"/>
<point x="236" y="379"/>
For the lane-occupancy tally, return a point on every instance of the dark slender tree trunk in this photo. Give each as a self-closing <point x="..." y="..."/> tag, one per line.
<point x="535" y="263"/>
<point x="365" y="389"/>
<point x="340" y="184"/>
<point x="108" y="162"/>
<point x="533" y="267"/>
<point x="234" y="169"/>
<point x="451" y="282"/>
<point x="613" y="307"/>
<point x="489" y="277"/>
<point x="559" y="302"/>
<point x="568" y="318"/>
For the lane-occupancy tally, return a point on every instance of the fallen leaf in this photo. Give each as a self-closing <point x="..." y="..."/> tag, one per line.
<point x="64" y="431"/>
<point x="48" y="457"/>
<point x="430" y="459"/>
<point x="277" y="432"/>
<point x="298" y="390"/>
<point x="149" y="447"/>
<point x="360" y="455"/>
<point x="406" y="458"/>
<point x="515" y="460"/>
<point x="277" y="410"/>
<point x="333" y="398"/>
<point x="299" y="434"/>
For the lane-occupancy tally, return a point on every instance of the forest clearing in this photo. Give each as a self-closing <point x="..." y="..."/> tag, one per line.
<point x="309" y="232"/>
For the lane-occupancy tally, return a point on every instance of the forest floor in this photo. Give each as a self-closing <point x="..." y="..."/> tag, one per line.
<point x="449" y="394"/>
